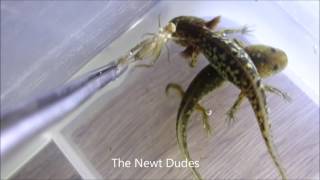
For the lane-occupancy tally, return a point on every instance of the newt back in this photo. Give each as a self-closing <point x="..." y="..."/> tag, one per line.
<point x="233" y="64"/>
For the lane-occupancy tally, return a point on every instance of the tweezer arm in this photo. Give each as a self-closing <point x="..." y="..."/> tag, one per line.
<point x="30" y="119"/>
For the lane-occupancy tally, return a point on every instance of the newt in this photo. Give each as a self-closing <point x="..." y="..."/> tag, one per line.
<point x="207" y="80"/>
<point x="231" y="62"/>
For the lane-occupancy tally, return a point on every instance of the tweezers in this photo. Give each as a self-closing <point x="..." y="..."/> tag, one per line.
<point x="35" y="116"/>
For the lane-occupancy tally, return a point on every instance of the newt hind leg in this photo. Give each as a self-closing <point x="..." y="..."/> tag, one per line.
<point x="205" y="113"/>
<point x="235" y="107"/>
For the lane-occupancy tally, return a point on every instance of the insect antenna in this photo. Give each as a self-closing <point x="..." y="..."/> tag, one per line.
<point x="148" y="34"/>
<point x="168" y="52"/>
<point x="159" y="21"/>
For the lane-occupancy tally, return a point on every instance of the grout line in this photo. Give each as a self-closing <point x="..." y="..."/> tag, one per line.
<point x="77" y="159"/>
<point x="23" y="157"/>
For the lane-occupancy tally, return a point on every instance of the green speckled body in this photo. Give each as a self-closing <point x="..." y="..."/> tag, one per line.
<point x="232" y="63"/>
<point x="226" y="56"/>
<point x="268" y="61"/>
<point x="206" y="81"/>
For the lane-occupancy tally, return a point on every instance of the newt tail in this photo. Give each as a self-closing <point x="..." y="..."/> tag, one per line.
<point x="232" y="63"/>
<point x="186" y="109"/>
<point x="262" y="116"/>
<point x="268" y="60"/>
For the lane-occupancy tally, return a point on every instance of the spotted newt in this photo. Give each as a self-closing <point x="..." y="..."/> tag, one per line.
<point x="231" y="62"/>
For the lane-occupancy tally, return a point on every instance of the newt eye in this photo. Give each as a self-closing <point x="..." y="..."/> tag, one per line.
<point x="273" y="50"/>
<point x="275" y="67"/>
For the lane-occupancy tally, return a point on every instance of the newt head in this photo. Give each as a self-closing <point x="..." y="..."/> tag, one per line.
<point x="267" y="59"/>
<point x="184" y="28"/>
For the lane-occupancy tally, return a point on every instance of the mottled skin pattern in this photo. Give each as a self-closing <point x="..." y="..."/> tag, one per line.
<point x="232" y="63"/>
<point x="268" y="60"/>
